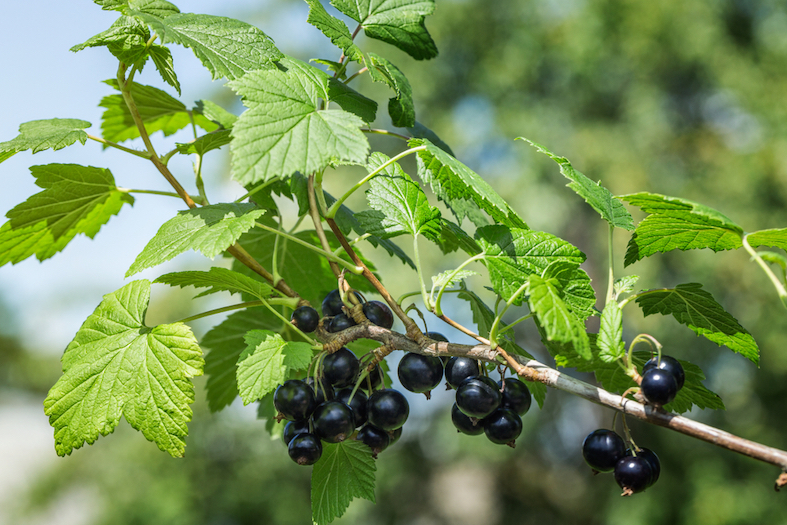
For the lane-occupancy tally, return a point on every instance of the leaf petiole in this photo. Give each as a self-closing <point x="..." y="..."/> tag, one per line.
<point x="765" y="268"/>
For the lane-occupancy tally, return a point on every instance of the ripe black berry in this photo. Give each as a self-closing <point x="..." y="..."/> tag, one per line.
<point x="633" y="474"/>
<point x="340" y="368"/>
<point x="653" y="461"/>
<point x="294" y="400"/>
<point x="516" y="396"/>
<point x="387" y="409"/>
<point x="305" y="449"/>
<point x="333" y="421"/>
<point x="668" y="364"/>
<point x="658" y="386"/>
<point x="378" y="313"/>
<point x="340" y="322"/>
<point x="305" y="318"/>
<point x="602" y="449"/>
<point x="464" y="424"/>
<point x="375" y="438"/>
<point x="437" y="336"/>
<point x="323" y="391"/>
<point x="457" y="369"/>
<point x="358" y="404"/>
<point x="420" y="373"/>
<point x="502" y="426"/>
<point x="293" y="428"/>
<point x="478" y="396"/>
<point x="332" y="304"/>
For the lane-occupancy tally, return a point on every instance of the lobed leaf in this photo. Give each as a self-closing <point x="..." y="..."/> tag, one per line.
<point x="116" y="366"/>
<point x="559" y="324"/>
<point x="209" y="230"/>
<point x="678" y="224"/>
<point x="217" y="279"/>
<point x="692" y="306"/>
<point x="40" y="135"/>
<point x="162" y="59"/>
<point x="345" y="471"/>
<point x="206" y="143"/>
<point x="610" y="335"/>
<point x="334" y="29"/>
<point x="126" y="39"/>
<point x="448" y="278"/>
<point x="625" y="284"/>
<point x="776" y="238"/>
<point x="400" y="107"/>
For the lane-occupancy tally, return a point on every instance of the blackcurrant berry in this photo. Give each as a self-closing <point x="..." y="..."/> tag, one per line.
<point x="395" y="435"/>
<point x="332" y="304"/>
<point x="323" y="391"/>
<point x="387" y="409"/>
<point x="420" y="373"/>
<point x="333" y="421"/>
<point x="478" y="396"/>
<point x="358" y="404"/>
<point x="340" y="368"/>
<point x="375" y="438"/>
<point x="502" y="426"/>
<point x="633" y="474"/>
<point x="340" y="322"/>
<point x="669" y="364"/>
<point x="305" y="449"/>
<point x="457" y="369"/>
<point x="658" y="386"/>
<point x="437" y="336"/>
<point x="294" y="400"/>
<point x="305" y="318"/>
<point x="464" y="424"/>
<point x="602" y="449"/>
<point x="293" y="428"/>
<point x="378" y="313"/>
<point x="653" y="461"/>
<point x="516" y="396"/>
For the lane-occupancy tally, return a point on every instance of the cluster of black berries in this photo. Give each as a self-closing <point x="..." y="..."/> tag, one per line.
<point x="634" y="469"/>
<point x="661" y="380"/>
<point x="326" y="409"/>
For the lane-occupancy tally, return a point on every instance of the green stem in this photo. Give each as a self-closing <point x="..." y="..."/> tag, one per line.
<point x="319" y="194"/>
<point x="499" y="317"/>
<point x="634" y="297"/>
<point x="610" y="285"/>
<point x="199" y="182"/>
<point x="405" y="296"/>
<point x="359" y="72"/>
<point x="417" y="257"/>
<point x="511" y="325"/>
<point x="765" y="268"/>
<point x="336" y="205"/>
<point x="287" y="322"/>
<point x="437" y="310"/>
<point x="142" y="154"/>
<point x="386" y="132"/>
<point x="274" y="260"/>
<point x="355" y="241"/>
<point x="247" y="304"/>
<point x="330" y="256"/>
<point x="255" y="190"/>
<point x="156" y="192"/>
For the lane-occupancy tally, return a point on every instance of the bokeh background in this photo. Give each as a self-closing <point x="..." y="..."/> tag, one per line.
<point x="681" y="97"/>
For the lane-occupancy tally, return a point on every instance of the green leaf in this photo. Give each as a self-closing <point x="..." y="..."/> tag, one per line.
<point x="159" y="112"/>
<point x="228" y="48"/>
<point x="400" y="107"/>
<point x="484" y="317"/>
<point x="399" y="23"/>
<point x="76" y="199"/>
<point x="126" y="39"/>
<point x="160" y="8"/>
<point x="419" y="131"/>
<point x="599" y="198"/>
<point x="162" y="59"/>
<point x="512" y="254"/>
<point x="345" y="471"/>
<point x="578" y="293"/>
<point x="460" y="187"/>
<point x="217" y="279"/>
<point x="226" y="343"/>
<point x="697" y="309"/>
<point x="678" y="224"/>
<point x="209" y="230"/>
<point x="116" y="366"/>
<point x="553" y="315"/>
<point x="776" y="238"/>
<point x="283" y="132"/>
<point x="216" y="113"/>
<point x="334" y="29"/>
<point x="625" y="284"/>
<point x="453" y="238"/>
<point x="610" y="335"/>
<point x="205" y="143"/>
<point x="40" y="135"/>
<point x="449" y="279"/>
<point x="266" y="363"/>
<point x="399" y="202"/>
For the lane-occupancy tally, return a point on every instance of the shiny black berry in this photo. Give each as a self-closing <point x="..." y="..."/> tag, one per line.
<point x="457" y="369"/>
<point x="464" y="424"/>
<point x="420" y="373"/>
<point x="294" y="400"/>
<point x="478" y="396"/>
<point x="375" y="438"/>
<point x="305" y="449"/>
<point x="602" y="449"/>
<point x="293" y="428"/>
<point x="323" y="391"/>
<point x="340" y="368"/>
<point x="340" y="322"/>
<point x="387" y="409"/>
<point x="332" y="304"/>
<point x="437" y="336"/>
<point x="669" y="364"/>
<point x="333" y="421"/>
<point x="305" y="318"/>
<point x="653" y="461"/>
<point x="516" y="396"/>
<point x="658" y="386"/>
<point x="358" y="404"/>
<point x="378" y="313"/>
<point x="633" y="474"/>
<point x="502" y="426"/>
